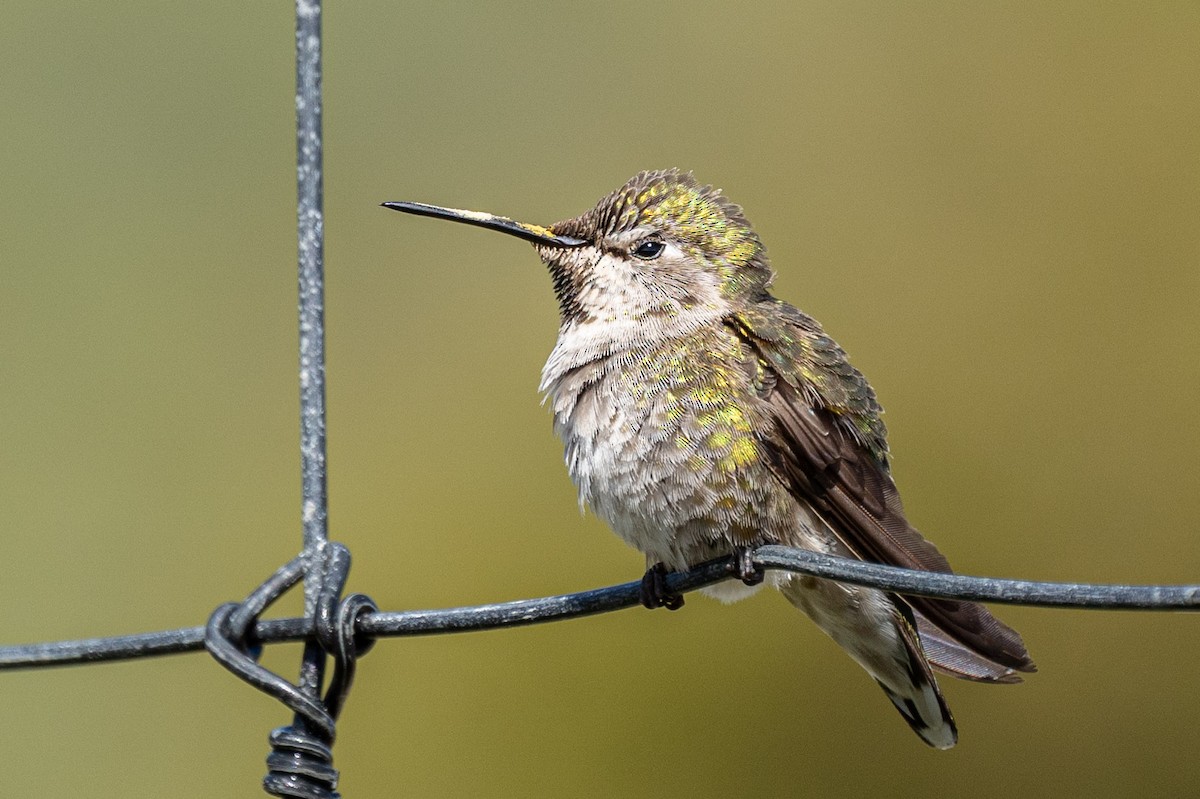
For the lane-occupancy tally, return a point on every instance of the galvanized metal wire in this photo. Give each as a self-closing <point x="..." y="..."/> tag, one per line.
<point x="344" y="628"/>
<point x="387" y="624"/>
<point x="300" y="764"/>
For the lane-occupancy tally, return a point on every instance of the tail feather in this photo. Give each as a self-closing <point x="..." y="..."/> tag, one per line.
<point x="881" y="635"/>
<point x="918" y="698"/>
<point x="955" y="659"/>
<point x="927" y="714"/>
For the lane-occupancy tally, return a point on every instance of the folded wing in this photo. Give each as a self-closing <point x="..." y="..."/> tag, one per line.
<point x="824" y="454"/>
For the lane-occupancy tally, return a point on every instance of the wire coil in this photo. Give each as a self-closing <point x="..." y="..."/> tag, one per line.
<point x="300" y="764"/>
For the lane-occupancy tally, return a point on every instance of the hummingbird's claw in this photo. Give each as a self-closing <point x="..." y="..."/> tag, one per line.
<point x="744" y="567"/>
<point x="655" y="593"/>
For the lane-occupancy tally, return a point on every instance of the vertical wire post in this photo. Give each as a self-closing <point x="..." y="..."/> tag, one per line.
<point x="311" y="250"/>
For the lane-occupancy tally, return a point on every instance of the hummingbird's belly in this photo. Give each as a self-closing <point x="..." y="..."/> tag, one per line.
<point x="672" y="465"/>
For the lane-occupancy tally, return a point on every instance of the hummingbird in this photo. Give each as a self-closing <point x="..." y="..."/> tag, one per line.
<point x="702" y="417"/>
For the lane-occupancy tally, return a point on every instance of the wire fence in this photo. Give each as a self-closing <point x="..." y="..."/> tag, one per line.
<point x="343" y="628"/>
<point x="373" y="623"/>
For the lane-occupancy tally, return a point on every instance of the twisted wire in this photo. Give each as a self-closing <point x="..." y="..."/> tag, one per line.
<point x="301" y="760"/>
<point x="372" y="624"/>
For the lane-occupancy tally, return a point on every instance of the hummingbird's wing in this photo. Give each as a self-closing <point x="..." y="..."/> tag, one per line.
<point x="827" y="445"/>
<point x="950" y="657"/>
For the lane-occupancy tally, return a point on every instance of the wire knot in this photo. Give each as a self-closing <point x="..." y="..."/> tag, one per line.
<point x="301" y="761"/>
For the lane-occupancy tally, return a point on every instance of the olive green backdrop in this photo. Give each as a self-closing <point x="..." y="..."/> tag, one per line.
<point x="993" y="207"/>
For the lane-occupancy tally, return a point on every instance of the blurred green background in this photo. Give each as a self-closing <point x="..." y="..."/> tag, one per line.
<point x="993" y="207"/>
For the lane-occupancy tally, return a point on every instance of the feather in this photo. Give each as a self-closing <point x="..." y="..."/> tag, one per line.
<point x="827" y="446"/>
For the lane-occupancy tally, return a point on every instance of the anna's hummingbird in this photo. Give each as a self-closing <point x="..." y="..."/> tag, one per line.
<point x="704" y="417"/>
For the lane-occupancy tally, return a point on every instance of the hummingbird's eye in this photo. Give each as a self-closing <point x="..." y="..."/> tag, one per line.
<point x="648" y="249"/>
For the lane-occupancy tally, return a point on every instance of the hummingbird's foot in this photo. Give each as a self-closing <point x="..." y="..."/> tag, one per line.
<point x="744" y="567"/>
<point x="655" y="593"/>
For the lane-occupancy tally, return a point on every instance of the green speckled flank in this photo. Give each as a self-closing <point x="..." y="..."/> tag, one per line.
<point x="702" y="389"/>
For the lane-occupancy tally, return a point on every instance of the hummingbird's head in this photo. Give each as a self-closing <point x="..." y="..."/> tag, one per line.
<point x="662" y="243"/>
<point x="661" y="251"/>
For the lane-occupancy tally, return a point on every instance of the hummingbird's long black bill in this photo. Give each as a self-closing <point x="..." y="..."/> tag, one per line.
<point x="522" y="230"/>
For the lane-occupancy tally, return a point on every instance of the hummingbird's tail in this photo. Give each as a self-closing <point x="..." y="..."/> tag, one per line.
<point x="881" y="635"/>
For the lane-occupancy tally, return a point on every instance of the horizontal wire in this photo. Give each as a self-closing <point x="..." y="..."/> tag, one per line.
<point x="1083" y="596"/>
